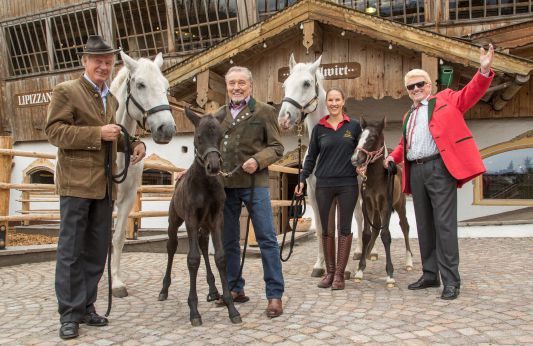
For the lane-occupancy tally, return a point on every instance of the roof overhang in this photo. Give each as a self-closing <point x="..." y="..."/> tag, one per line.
<point x="328" y="13"/>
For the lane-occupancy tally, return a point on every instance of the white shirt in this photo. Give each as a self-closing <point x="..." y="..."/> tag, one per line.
<point x="419" y="142"/>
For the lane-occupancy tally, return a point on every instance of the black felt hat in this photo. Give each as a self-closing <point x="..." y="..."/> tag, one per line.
<point x="95" y="45"/>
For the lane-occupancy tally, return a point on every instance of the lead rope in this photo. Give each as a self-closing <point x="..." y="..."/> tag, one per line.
<point x="119" y="178"/>
<point x="297" y="207"/>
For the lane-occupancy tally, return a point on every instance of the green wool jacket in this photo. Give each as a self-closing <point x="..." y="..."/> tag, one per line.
<point x="253" y="133"/>
<point x="75" y="115"/>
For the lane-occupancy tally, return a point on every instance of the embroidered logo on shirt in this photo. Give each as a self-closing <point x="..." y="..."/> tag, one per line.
<point x="347" y="134"/>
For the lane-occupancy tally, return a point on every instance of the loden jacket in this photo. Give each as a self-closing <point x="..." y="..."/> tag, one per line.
<point x="75" y="115"/>
<point x="253" y="133"/>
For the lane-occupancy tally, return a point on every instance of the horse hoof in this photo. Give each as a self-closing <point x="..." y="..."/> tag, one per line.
<point x="409" y="268"/>
<point x="120" y="292"/>
<point x="196" y="322"/>
<point x="213" y="296"/>
<point x="391" y="285"/>
<point x="357" y="256"/>
<point x="318" y="273"/>
<point x="373" y="257"/>
<point x="347" y="275"/>
<point x="236" y="319"/>
<point x="357" y="280"/>
<point x="162" y="296"/>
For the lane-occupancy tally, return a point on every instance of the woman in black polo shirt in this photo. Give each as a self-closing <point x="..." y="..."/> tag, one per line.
<point x="332" y="143"/>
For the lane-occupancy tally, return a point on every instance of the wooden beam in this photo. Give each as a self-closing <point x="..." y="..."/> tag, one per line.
<point x="312" y="36"/>
<point x="501" y="99"/>
<point x="247" y="13"/>
<point x="431" y="66"/>
<point x="169" y="6"/>
<point x="210" y="87"/>
<point x="5" y="177"/>
<point x="105" y="21"/>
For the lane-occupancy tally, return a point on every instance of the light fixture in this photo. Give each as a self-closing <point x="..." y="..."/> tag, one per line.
<point x="194" y="79"/>
<point x="441" y="62"/>
<point x="301" y="26"/>
<point x="390" y="45"/>
<point x="343" y="33"/>
<point x="264" y="45"/>
<point x="231" y="61"/>
<point x="370" y="10"/>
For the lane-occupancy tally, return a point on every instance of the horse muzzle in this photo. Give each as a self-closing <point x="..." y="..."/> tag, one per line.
<point x="164" y="133"/>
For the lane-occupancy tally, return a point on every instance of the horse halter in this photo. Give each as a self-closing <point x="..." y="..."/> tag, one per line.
<point x="371" y="157"/>
<point x="201" y="158"/>
<point x="301" y="108"/>
<point x="146" y="113"/>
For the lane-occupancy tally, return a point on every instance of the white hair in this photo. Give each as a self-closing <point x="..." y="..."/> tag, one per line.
<point x="242" y="69"/>
<point x="417" y="73"/>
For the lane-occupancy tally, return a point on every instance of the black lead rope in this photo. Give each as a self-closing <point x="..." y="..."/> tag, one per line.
<point x="391" y="172"/>
<point x="296" y="210"/>
<point x="119" y="178"/>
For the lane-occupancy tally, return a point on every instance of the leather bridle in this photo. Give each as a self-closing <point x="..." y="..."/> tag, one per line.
<point x="302" y="109"/>
<point x="146" y="113"/>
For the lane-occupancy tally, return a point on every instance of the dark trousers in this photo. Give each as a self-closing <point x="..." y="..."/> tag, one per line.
<point x="81" y="254"/>
<point x="435" y="201"/>
<point x="346" y="199"/>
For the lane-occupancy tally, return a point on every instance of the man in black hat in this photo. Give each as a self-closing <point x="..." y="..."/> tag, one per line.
<point x="81" y="118"/>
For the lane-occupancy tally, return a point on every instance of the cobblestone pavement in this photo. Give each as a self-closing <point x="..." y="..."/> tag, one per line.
<point x="495" y="305"/>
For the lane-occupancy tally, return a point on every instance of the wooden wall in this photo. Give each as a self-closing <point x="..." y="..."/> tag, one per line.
<point x="382" y="70"/>
<point x="466" y="28"/>
<point x="11" y="9"/>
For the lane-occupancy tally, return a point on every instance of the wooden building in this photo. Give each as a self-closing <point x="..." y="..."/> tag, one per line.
<point x="201" y="39"/>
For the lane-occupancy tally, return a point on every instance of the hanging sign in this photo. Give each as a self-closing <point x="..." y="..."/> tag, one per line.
<point x="38" y="98"/>
<point x="343" y="70"/>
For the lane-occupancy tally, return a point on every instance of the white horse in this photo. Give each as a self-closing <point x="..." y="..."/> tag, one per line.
<point x="304" y="92"/>
<point x="141" y="90"/>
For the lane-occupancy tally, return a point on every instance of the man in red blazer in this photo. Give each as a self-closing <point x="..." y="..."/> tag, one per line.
<point x="439" y="155"/>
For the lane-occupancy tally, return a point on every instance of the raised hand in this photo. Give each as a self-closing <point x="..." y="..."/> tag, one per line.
<point x="485" y="59"/>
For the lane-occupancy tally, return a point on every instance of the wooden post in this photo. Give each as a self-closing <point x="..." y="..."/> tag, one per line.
<point x="171" y="36"/>
<point x="6" y="142"/>
<point x="431" y="66"/>
<point x="134" y="223"/>
<point x="246" y="13"/>
<point x="312" y="36"/>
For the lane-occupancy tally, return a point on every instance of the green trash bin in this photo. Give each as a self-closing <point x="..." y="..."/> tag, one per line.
<point x="446" y="76"/>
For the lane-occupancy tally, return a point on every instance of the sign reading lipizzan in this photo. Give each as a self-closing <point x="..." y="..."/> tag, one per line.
<point x="37" y="98"/>
<point x="341" y="70"/>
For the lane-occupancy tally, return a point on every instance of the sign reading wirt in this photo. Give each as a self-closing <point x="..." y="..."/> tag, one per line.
<point x="38" y="98"/>
<point x="344" y="70"/>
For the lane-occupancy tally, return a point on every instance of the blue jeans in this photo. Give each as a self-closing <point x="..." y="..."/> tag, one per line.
<point x="261" y="214"/>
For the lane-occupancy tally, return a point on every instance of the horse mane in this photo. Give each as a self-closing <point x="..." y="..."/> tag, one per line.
<point x="119" y="79"/>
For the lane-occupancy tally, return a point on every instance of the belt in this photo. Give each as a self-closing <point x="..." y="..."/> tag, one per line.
<point x="425" y="159"/>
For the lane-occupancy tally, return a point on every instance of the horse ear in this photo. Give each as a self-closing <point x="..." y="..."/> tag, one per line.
<point x="363" y="123"/>
<point x="130" y="63"/>
<point x="292" y="62"/>
<point x="220" y="116"/>
<point x="159" y="60"/>
<point x="316" y="65"/>
<point x="193" y="117"/>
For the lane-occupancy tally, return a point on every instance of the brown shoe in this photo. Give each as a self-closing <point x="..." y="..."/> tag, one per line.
<point x="238" y="297"/>
<point x="343" y="247"/>
<point x="328" y="244"/>
<point x="274" y="308"/>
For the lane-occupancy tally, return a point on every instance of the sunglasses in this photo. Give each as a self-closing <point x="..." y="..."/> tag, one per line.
<point x="419" y="85"/>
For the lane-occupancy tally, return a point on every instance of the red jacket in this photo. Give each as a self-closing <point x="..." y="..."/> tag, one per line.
<point x="449" y="131"/>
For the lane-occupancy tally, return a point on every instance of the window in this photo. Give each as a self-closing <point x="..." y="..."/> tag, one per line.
<point x="156" y="177"/>
<point x="199" y="24"/>
<point x="69" y="32"/>
<point x="27" y="47"/>
<point x="266" y="8"/>
<point x="509" y="176"/>
<point x="141" y="26"/>
<point x="41" y="177"/>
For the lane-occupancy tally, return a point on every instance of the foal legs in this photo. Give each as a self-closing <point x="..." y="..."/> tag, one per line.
<point x="193" y="263"/>
<point x="204" y="246"/>
<point x="172" y="244"/>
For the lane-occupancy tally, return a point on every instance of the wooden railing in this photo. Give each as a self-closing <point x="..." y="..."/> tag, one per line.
<point x="42" y="193"/>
